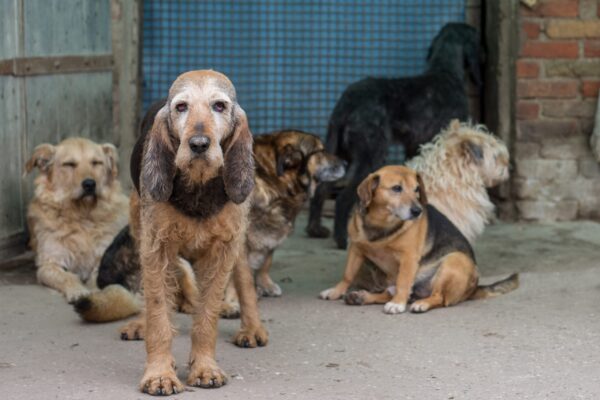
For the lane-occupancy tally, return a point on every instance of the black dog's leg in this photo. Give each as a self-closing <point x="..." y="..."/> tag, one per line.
<point x="343" y="207"/>
<point x="314" y="227"/>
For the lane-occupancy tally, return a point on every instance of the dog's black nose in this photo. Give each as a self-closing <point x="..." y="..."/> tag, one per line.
<point x="415" y="211"/>
<point x="199" y="143"/>
<point x="88" y="185"/>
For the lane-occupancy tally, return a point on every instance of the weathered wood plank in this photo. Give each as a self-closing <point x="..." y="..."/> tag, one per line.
<point x="29" y="66"/>
<point x="8" y="29"/>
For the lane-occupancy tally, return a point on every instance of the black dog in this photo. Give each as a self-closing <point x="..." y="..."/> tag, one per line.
<point x="375" y="112"/>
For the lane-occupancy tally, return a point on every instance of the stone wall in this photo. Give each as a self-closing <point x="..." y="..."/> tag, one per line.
<point x="558" y="78"/>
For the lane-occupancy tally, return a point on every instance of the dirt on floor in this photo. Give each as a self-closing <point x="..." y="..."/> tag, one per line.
<point x="539" y="342"/>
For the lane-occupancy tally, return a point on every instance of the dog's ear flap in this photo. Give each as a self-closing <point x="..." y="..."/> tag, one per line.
<point x="41" y="158"/>
<point x="238" y="174"/>
<point x="112" y="158"/>
<point x="365" y="192"/>
<point x="422" y="190"/>
<point x="472" y="151"/>
<point x="158" y="161"/>
<point x="288" y="158"/>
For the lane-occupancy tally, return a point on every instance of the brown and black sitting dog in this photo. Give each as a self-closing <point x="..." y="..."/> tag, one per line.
<point x="428" y="262"/>
<point x="289" y="166"/>
<point x="193" y="170"/>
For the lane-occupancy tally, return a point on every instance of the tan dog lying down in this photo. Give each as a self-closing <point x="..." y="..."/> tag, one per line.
<point x="427" y="261"/>
<point x="77" y="209"/>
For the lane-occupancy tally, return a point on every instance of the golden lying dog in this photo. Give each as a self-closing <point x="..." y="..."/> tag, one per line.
<point x="426" y="259"/>
<point x="77" y="209"/>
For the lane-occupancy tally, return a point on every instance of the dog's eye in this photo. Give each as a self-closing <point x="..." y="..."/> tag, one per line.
<point x="69" y="164"/>
<point x="219" y="106"/>
<point x="181" y="107"/>
<point x="417" y="189"/>
<point x="95" y="163"/>
<point x="397" y="188"/>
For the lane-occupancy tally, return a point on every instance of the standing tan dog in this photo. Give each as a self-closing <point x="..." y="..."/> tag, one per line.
<point x="193" y="169"/>
<point x="77" y="209"/>
<point x="426" y="259"/>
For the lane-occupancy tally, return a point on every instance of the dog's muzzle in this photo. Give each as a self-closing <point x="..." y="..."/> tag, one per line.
<point x="89" y="187"/>
<point x="331" y="171"/>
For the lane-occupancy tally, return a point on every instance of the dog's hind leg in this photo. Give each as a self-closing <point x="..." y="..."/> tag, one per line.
<point x="231" y="303"/>
<point x="252" y="333"/>
<point x="315" y="228"/>
<point x="362" y="297"/>
<point x="264" y="284"/>
<point x="69" y="284"/>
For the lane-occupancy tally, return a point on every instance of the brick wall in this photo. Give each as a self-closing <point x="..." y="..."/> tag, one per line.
<point x="558" y="78"/>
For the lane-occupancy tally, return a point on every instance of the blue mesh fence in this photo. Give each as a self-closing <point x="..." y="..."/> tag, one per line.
<point x="289" y="60"/>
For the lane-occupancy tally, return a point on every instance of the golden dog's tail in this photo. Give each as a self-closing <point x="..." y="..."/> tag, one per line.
<point x="497" y="288"/>
<point x="112" y="303"/>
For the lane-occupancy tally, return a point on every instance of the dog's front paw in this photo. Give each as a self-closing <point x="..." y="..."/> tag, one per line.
<point x="75" y="293"/>
<point x="420" y="306"/>
<point x="270" y="289"/>
<point x="394" y="308"/>
<point x="356" y="298"/>
<point x="161" y="384"/>
<point x="317" y="231"/>
<point x="133" y="330"/>
<point x="206" y="374"/>
<point x="330" y="294"/>
<point x="251" y="337"/>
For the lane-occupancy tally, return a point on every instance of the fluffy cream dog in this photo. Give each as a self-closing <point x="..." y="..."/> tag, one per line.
<point x="77" y="209"/>
<point x="458" y="166"/>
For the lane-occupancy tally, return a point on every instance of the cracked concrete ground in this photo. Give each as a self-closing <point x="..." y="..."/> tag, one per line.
<point x="539" y="342"/>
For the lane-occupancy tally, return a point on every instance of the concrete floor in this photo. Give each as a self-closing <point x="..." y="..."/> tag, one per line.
<point x="540" y="342"/>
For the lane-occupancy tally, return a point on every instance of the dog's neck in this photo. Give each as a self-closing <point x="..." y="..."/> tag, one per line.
<point x="377" y="227"/>
<point x="199" y="200"/>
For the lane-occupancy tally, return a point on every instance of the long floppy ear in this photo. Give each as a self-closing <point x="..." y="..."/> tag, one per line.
<point x="238" y="174"/>
<point x="158" y="161"/>
<point x="422" y="190"/>
<point x="288" y="158"/>
<point x="472" y="151"/>
<point x="42" y="157"/>
<point x="365" y="192"/>
<point x="112" y="158"/>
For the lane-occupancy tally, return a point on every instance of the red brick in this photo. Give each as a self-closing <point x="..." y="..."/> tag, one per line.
<point x="590" y="88"/>
<point x="527" y="69"/>
<point x="531" y="29"/>
<point x="540" y="130"/>
<point x="527" y="110"/>
<point x="553" y="8"/>
<point x="554" y="49"/>
<point x="547" y="89"/>
<point x="591" y="48"/>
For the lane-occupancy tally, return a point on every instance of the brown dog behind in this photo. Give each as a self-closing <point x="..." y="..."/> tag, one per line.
<point x="427" y="261"/>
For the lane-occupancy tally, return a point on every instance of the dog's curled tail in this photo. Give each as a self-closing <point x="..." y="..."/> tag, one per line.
<point x="112" y="303"/>
<point x="497" y="288"/>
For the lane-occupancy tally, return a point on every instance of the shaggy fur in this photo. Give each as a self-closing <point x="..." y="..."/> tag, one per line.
<point x="458" y="166"/>
<point x="374" y="112"/>
<point x="199" y="136"/>
<point x="77" y="209"/>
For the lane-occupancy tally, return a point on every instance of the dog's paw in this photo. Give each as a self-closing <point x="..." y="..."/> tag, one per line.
<point x="72" y="295"/>
<point x="330" y="294"/>
<point x="206" y="375"/>
<point x="251" y="337"/>
<point x="186" y="307"/>
<point x="394" y="308"/>
<point x="317" y="231"/>
<point x="268" y="289"/>
<point x="161" y="384"/>
<point x="419" y="306"/>
<point x="230" y="310"/>
<point x="133" y="330"/>
<point x="356" y="298"/>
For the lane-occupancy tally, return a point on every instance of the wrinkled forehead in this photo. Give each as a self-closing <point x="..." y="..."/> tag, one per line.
<point x="205" y="84"/>
<point x="398" y="175"/>
<point x="77" y="150"/>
